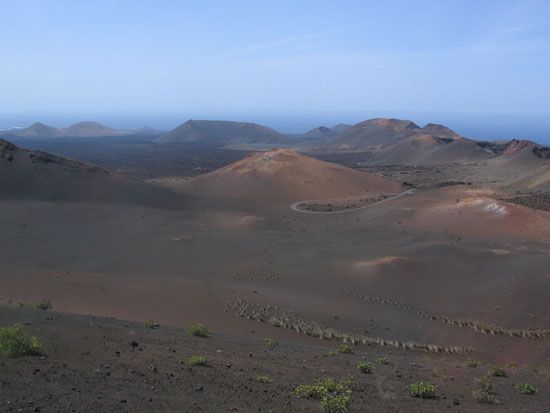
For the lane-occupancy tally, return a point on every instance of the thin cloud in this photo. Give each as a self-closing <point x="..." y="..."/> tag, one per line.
<point x="285" y="41"/>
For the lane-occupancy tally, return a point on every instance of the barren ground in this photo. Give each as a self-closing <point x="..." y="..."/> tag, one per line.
<point x="445" y="266"/>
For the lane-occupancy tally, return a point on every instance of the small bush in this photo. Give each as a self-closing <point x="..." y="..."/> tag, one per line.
<point x="271" y="343"/>
<point x="486" y="383"/>
<point x="483" y="397"/>
<point x="151" y="324"/>
<point x="263" y="379"/>
<point x="198" y="330"/>
<point x="471" y="363"/>
<point x="383" y="360"/>
<point x="497" y="371"/>
<point x="423" y="390"/>
<point x="198" y="361"/>
<point x="14" y="343"/>
<point x="365" y="367"/>
<point x="39" y="305"/>
<point x="323" y="387"/>
<point x="344" y="349"/>
<point x="526" y="388"/>
<point x="338" y="403"/>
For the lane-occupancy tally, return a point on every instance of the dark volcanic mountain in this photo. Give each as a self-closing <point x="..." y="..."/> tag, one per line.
<point x="221" y="132"/>
<point x="85" y="129"/>
<point x="34" y="175"/>
<point x="440" y="131"/>
<point x="36" y="130"/>
<point x="320" y="133"/>
<point x="90" y="129"/>
<point x="145" y="130"/>
<point x="341" y="127"/>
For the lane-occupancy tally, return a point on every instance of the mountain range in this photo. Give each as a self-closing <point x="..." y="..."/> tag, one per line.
<point x="85" y="129"/>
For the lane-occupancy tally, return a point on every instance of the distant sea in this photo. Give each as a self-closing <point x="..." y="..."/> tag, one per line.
<point x="479" y="126"/>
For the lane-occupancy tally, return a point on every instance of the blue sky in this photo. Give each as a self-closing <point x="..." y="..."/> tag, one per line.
<point x="161" y="62"/>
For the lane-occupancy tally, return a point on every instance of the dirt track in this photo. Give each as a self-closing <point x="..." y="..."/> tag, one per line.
<point x="295" y="205"/>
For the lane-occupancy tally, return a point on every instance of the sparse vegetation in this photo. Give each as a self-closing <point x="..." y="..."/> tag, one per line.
<point x="15" y="343"/>
<point x="423" y="390"/>
<point x="338" y="403"/>
<point x="344" y="349"/>
<point x="198" y="330"/>
<point x="383" y="360"/>
<point x="526" y="388"/>
<point x="39" y="305"/>
<point x="198" y="361"/>
<point x="497" y="371"/>
<point x="471" y="363"/>
<point x="322" y="387"/>
<point x="271" y="343"/>
<point x="486" y="383"/>
<point x="151" y="324"/>
<point x="483" y="397"/>
<point x="263" y="379"/>
<point x="365" y="367"/>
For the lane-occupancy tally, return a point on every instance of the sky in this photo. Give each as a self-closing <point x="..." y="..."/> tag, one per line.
<point x="483" y="67"/>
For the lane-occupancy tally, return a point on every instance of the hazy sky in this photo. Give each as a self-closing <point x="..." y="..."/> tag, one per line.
<point x="271" y="59"/>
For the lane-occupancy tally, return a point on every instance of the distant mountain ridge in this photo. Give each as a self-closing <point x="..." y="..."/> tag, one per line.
<point x="381" y="132"/>
<point x="85" y="129"/>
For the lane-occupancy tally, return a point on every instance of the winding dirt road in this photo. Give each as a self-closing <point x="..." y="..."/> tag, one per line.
<point x="295" y="205"/>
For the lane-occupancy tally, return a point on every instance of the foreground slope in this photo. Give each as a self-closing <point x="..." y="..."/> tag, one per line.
<point x="28" y="175"/>
<point x="103" y="364"/>
<point x="282" y="176"/>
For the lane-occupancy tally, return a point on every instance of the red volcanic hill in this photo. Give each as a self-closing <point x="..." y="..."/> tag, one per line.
<point x="375" y="133"/>
<point x="34" y="175"/>
<point x="281" y="175"/>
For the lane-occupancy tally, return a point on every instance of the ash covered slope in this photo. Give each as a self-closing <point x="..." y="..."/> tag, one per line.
<point x="34" y="175"/>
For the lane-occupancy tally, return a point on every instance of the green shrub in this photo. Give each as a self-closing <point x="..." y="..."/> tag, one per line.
<point x="322" y="388"/>
<point x="263" y="379"/>
<point x="486" y="383"/>
<point x="344" y="349"/>
<point x="483" y="397"/>
<point x="471" y="363"/>
<point x="365" y="367"/>
<point x="497" y="371"/>
<point x="383" y="360"/>
<point x="423" y="390"/>
<point x="271" y="343"/>
<point x="14" y="343"/>
<point x="338" y="403"/>
<point x="198" y="361"/>
<point x="198" y="330"/>
<point x="151" y="324"/>
<point x="526" y="388"/>
<point x="39" y="305"/>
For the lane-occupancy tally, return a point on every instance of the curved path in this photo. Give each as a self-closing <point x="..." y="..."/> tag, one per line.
<point x="294" y="206"/>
